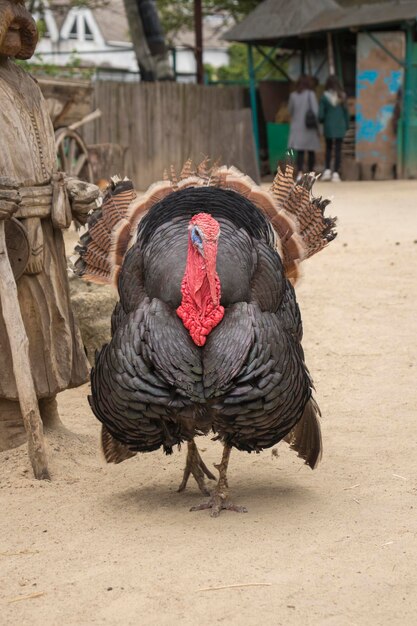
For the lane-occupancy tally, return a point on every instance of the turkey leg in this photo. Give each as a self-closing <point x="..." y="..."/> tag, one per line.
<point x="196" y="466"/>
<point x="220" y="497"/>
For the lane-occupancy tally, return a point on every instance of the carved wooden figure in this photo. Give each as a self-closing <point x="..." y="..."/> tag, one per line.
<point x="36" y="204"/>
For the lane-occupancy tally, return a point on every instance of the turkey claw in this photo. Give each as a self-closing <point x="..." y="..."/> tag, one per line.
<point x="217" y="504"/>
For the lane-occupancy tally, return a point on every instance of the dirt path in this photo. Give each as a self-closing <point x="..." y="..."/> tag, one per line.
<point x="117" y="544"/>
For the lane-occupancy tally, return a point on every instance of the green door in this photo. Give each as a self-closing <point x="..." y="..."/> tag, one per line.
<point x="409" y="114"/>
<point x="277" y="143"/>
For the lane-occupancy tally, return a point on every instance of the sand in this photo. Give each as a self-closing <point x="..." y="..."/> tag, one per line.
<point x="337" y="546"/>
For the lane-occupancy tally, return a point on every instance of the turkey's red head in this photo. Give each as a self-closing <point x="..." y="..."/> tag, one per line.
<point x="200" y="309"/>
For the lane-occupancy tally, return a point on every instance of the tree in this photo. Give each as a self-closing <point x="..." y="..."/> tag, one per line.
<point x="143" y="54"/>
<point x="180" y="15"/>
<point x="153" y="35"/>
<point x="237" y="69"/>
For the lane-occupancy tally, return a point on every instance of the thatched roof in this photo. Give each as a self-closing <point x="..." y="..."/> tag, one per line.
<point x="275" y="20"/>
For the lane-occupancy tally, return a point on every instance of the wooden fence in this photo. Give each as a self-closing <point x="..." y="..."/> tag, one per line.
<point x="161" y="124"/>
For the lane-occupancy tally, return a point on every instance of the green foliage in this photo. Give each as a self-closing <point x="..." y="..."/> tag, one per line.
<point x="38" y="67"/>
<point x="177" y="15"/>
<point x="41" y="25"/>
<point x="237" y="70"/>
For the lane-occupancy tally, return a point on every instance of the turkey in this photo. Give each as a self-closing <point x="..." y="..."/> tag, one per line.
<point x="206" y="336"/>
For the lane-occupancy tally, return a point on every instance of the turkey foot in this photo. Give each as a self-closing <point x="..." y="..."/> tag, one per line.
<point x="196" y="466"/>
<point x="219" y="500"/>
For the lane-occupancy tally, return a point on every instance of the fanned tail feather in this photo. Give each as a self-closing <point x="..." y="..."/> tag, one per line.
<point x="94" y="262"/>
<point x="296" y="199"/>
<point x="296" y="216"/>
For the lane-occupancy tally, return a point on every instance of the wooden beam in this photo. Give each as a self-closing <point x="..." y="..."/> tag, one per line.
<point x="330" y="54"/>
<point x="253" y="98"/>
<point x="384" y="48"/>
<point x="19" y="346"/>
<point x="268" y="57"/>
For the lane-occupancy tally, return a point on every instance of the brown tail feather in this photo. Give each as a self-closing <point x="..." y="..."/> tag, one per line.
<point x="174" y="178"/>
<point x="95" y="260"/>
<point x="203" y="169"/>
<point x="296" y="199"/>
<point x="305" y="437"/>
<point x="113" y="450"/>
<point x="121" y="240"/>
<point x="186" y="169"/>
<point x="282" y="184"/>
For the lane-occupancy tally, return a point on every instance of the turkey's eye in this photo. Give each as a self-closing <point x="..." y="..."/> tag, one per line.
<point x="196" y="237"/>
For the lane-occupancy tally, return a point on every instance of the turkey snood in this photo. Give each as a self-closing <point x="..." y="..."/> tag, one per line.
<point x="200" y="309"/>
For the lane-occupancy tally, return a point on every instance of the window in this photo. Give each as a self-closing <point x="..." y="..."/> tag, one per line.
<point x="73" y="34"/>
<point x="87" y="31"/>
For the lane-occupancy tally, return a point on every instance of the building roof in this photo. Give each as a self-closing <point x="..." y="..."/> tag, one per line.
<point x="273" y="20"/>
<point x="367" y="14"/>
<point x="110" y="18"/>
<point x="112" y="21"/>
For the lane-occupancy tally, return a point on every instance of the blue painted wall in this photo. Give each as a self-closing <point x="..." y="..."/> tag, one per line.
<point x="378" y="80"/>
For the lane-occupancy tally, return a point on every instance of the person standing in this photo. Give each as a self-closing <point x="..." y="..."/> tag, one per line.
<point x="334" y="116"/>
<point x="304" y="132"/>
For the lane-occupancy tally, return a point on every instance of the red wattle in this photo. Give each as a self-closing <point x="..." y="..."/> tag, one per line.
<point x="198" y="312"/>
<point x="198" y="323"/>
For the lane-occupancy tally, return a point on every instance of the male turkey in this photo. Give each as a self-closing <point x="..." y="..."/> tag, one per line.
<point x="207" y="334"/>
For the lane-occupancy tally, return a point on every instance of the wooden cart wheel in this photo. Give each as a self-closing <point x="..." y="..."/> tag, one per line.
<point x="72" y="153"/>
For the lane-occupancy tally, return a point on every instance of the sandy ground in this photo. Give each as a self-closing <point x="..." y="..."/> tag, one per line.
<point x="118" y="545"/>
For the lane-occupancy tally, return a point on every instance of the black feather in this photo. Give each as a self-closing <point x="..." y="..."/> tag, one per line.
<point x="153" y="387"/>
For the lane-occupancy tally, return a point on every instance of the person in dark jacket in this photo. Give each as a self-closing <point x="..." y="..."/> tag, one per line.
<point x="334" y="116"/>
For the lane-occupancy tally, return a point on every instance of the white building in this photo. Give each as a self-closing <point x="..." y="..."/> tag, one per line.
<point x="100" y="38"/>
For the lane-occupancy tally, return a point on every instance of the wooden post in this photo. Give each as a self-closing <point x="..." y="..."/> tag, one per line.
<point x="330" y="54"/>
<point x="407" y="105"/>
<point x="253" y="98"/>
<point x="19" y="346"/>
<point x="198" y="28"/>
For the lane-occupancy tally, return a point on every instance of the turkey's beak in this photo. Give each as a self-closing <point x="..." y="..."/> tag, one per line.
<point x="210" y="256"/>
